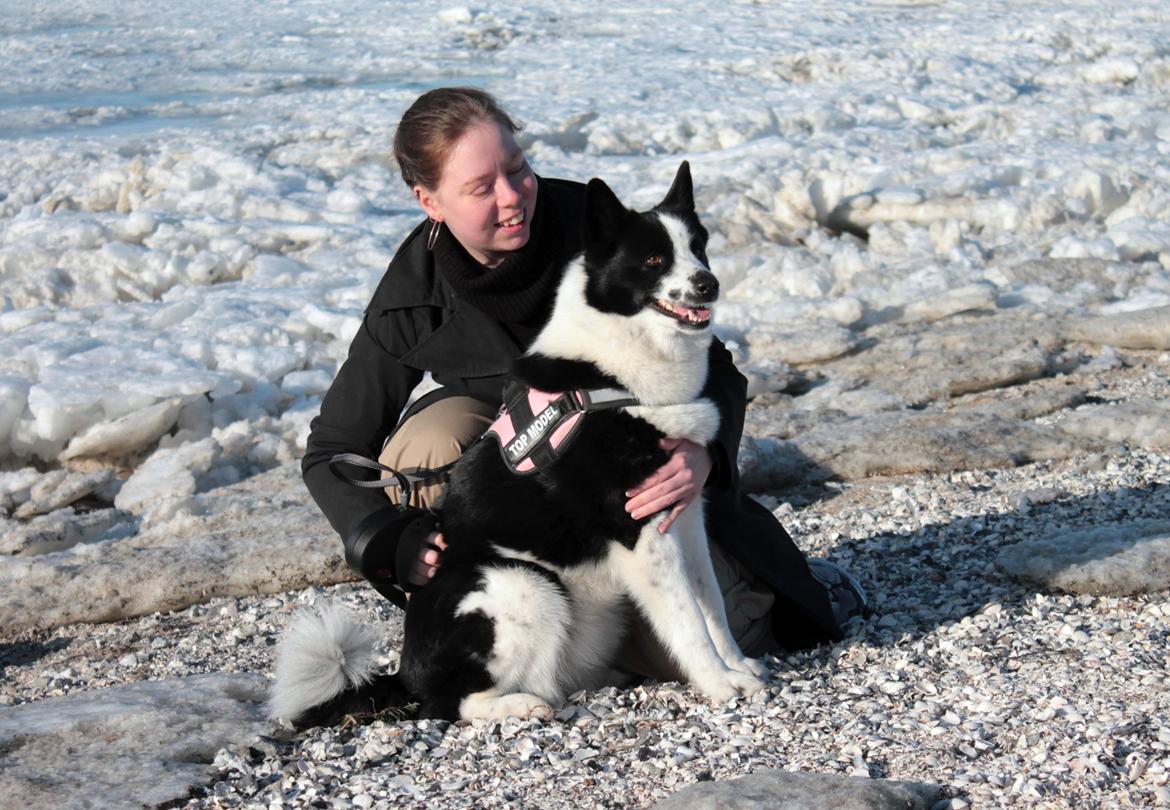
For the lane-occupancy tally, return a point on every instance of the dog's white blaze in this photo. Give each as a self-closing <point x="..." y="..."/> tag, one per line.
<point x="655" y="360"/>
<point x="685" y="262"/>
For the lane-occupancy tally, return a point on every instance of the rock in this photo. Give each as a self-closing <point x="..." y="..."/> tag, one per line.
<point x="776" y="790"/>
<point x="947" y="361"/>
<point x="1138" y="423"/>
<point x="262" y="535"/>
<point x="1144" y="329"/>
<point x="903" y="442"/>
<point x="1092" y="278"/>
<point x="60" y="488"/>
<point x="1118" y="559"/>
<point x="951" y="302"/>
<point x="785" y="422"/>
<point x="802" y="346"/>
<point x="126" y="746"/>
<point x="1023" y="402"/>
<point x="63" y="529"/>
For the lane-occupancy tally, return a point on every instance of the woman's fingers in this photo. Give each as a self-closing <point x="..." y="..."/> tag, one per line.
<point x="665" y="525"/>
<point x="427" y="563"/>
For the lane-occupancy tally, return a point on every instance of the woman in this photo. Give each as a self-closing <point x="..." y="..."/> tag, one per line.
<point x="466" y="293"/>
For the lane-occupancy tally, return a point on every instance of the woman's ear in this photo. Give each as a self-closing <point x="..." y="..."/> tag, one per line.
<point x="427" y="202"/>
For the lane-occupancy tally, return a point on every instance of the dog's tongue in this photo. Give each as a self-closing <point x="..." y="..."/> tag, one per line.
<point x="697" y="314"/>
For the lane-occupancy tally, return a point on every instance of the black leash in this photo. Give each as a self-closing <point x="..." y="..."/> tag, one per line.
<point x="406" y="481"/>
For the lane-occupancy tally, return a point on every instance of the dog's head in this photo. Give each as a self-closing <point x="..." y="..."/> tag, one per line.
<point x="650" y="265"/>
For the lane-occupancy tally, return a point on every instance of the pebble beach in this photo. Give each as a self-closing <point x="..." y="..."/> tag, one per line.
<point x="996" y="688"/>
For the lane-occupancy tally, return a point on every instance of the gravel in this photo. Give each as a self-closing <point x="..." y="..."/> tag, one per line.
<point x="1005" y="694"/>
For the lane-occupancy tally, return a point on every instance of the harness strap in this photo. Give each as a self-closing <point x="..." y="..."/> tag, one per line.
<point x="534" y="428"/>
<point x="599" y="399"/>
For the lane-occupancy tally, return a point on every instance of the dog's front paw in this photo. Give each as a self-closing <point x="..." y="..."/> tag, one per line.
<point x="731" y="684"/>
<point x="516" y="704"/>
<point x="752" y="666"/>
<point x="524" y="707"/>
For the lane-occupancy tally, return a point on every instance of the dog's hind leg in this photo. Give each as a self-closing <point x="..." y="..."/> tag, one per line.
<point x="692" y="536"/>
<point x="656" y="577"/>
<point x="530" y="618"/>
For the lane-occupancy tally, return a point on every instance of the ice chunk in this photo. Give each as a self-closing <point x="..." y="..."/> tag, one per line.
<point x="950" y="302"/>
<point x="298" y="383"/>
<point x="13" y="397"/>
<point x="126" y="434"/>
<point x="1111" y="71"/>
<point x="16" y="486"/>
<point x="1140" y="238"/>
<point x="169" y="473"/>
<point x="346" y="201"/>
<point x="60" y="488"/>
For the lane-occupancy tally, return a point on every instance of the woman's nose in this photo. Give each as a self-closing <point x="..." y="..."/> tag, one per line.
<point x="508" y="191"/>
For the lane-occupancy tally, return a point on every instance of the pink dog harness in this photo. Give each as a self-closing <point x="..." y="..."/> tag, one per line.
<point x="534" y="428"/>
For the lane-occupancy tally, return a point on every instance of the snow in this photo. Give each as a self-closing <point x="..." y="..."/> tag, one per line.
<point x="125" y="746"/>
<point x="197" y="206"/>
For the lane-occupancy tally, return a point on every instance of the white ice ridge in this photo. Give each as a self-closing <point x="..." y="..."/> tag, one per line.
<point x="186" y="248"/>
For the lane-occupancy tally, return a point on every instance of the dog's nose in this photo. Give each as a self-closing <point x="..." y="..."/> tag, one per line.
<point x="705" y="285"/>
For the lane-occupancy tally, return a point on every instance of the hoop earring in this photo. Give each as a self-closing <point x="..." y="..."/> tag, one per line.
<point x="433" y="236"/>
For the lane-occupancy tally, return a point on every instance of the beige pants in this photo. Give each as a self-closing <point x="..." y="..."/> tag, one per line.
<point x="436" y="435"/>
<point x="439" y="434"/>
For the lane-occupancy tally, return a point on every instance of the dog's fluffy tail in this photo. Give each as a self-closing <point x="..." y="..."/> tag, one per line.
<point x="325" y="670"/>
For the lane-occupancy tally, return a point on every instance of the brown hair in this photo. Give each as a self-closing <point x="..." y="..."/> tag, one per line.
<point x="431" y="125"/>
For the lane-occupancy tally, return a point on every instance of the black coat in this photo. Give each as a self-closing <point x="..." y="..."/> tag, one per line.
<point x="415" y="322"/>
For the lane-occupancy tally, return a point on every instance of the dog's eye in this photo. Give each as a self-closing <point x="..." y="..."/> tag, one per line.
<point x="653" y="260"/>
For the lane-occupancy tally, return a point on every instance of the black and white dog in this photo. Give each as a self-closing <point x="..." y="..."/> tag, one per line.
<point x="527" y="605"/>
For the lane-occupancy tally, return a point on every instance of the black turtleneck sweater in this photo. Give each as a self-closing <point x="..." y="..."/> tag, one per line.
<point x="519" y="290"/>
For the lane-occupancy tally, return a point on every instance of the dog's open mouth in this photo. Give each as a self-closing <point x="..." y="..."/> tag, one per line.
<point x="693" y="317"/>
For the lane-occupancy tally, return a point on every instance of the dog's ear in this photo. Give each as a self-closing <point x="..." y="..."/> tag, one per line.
<point x="681" y="196"/>
<point x="604" y="214"/>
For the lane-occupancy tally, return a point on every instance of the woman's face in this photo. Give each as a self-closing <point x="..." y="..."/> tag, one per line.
<point x="486" y="195"/>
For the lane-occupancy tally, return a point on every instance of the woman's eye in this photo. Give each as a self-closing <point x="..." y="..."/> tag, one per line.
<point x="654" y="260"/>
<point x="518" y="169"/>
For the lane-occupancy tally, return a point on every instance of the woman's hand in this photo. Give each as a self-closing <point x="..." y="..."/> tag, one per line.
<point x="428" y="560"/>
<point x="677" y="483"/>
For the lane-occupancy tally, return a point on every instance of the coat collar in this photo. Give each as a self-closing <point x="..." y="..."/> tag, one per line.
<point x="465" y="342"/>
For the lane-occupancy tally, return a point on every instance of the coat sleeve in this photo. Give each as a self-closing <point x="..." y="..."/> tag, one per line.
<point x="358" y="412"/>
<point x="727" y="388"/>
